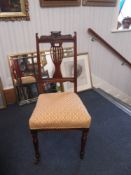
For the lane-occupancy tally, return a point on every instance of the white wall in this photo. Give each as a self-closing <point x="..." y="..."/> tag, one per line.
<point x="19" y="36"/>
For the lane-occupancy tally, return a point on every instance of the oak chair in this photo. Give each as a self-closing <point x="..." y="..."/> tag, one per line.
<point x="58" y="111"/>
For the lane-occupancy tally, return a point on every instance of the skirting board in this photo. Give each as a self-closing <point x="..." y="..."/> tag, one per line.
<point x="99" y="83"/>
<point x="10" y="96"/>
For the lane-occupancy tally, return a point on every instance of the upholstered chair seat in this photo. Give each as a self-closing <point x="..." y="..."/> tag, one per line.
<point x="59" y="111"/>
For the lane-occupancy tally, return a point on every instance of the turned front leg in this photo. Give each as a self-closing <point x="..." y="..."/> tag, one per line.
<point x="36" y="145"/>
<point x="83" y="142"/>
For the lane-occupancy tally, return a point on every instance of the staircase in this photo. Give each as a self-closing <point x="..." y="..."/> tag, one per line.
<point x="120" y="104"/>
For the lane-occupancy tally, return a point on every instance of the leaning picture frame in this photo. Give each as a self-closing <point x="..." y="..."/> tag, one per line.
<point x="14" y="10"/>
<point x="84" y="80"/>
<point x="59" y="3"/>
<point x="2" y="96"/>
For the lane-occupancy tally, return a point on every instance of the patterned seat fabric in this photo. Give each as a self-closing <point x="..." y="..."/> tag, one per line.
<point x="59" y="111"/>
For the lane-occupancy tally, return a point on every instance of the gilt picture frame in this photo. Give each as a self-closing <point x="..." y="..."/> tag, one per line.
<point x="84" y="81"/>
<point x="59" y="3"/>
<point x="14" y="10"/>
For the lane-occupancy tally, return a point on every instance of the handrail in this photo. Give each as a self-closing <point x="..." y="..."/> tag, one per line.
<point x="92" y="32"/>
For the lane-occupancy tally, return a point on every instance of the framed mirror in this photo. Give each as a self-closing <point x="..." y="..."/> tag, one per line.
<point x="24" y="72"/>
<point x="12" y="10"/>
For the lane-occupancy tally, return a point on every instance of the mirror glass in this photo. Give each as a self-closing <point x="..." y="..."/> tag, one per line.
<point x="24" y="72"/>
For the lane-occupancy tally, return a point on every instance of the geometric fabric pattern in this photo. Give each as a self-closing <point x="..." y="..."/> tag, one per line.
<point x="59" y="111"/>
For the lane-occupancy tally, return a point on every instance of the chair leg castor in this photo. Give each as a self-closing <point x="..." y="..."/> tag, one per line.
<point x="36" y="159"/>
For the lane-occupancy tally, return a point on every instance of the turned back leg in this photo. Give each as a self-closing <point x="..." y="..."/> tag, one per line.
<point x="83" y="142"/>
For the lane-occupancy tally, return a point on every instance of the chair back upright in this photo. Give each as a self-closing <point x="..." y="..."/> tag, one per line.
<point x="56" y="41"/>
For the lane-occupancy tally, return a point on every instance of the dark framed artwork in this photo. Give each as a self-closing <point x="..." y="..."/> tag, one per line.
<point x="12" y="10"/>
<point x="58" y="3"/>
<point x="103" y="3"/>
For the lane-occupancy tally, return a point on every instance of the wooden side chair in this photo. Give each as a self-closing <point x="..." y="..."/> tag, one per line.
<point x="58" y="111"/>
